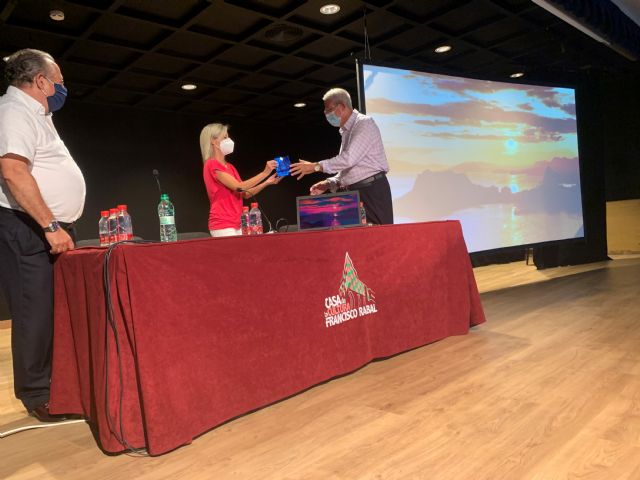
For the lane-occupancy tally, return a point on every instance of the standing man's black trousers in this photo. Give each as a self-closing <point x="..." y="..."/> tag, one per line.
<point x="376" y="198"/>
<point x="26" y="277"/>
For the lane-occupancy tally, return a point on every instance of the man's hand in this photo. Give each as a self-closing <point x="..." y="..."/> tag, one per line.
<point x="270" y="166"/>
<point x="60" y="241"/>
<point x="302" y="168"/>
<point x="320" y="187"/>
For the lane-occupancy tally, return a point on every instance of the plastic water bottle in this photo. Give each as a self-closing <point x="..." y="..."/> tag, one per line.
<point x="103" y="228"/>
<point x="255" y="220"/>
<point x="113" y="225"/>
<point x="244" y="220"/>
<point x="125" y="226"/>
<point x="363" y="214"/>
<point x="166" y="215"/>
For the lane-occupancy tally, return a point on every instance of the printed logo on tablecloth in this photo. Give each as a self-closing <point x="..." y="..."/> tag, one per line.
<point x="354" y="298"/>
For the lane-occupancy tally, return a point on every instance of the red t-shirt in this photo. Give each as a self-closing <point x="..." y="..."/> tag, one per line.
<point x="226" y="205"/>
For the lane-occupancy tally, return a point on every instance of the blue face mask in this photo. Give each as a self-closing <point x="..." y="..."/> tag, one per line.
<point x="333" y="119"/>
<point x="56" y="101"/>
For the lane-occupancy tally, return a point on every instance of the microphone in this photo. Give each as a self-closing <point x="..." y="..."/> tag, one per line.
<point x="266" y="218"/>
<point x="156" y="174"/>
<point x="285" y="226"/>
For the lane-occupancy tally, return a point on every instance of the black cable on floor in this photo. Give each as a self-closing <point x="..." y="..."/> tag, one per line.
<point x="121" y="437"/>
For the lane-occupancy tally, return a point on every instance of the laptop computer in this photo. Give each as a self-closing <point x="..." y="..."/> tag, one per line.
<point x="330" y="210"/>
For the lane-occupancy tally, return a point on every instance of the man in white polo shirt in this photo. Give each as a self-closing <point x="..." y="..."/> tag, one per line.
<point x="42" y="193"/>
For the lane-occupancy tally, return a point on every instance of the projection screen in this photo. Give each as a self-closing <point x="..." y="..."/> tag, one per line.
<point x="500" y="157"/>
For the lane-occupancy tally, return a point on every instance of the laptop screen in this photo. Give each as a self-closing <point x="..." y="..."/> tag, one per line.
<point x="330" y="210"/>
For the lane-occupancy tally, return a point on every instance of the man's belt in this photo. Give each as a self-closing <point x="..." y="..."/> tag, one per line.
<point x="65" y="225"/>
<point x="367" y="181"/>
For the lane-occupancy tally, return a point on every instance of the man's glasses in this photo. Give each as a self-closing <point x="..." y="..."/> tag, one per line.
<point x="331" y="109"/>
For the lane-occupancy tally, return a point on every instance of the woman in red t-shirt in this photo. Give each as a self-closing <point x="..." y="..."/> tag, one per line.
<point x="225" y="188"/>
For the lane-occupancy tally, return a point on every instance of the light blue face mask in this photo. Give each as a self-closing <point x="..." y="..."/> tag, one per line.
<point x="333" y="119"/>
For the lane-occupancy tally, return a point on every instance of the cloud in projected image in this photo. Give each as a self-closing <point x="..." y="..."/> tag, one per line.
<point x="501" y="157"/>
<point x="475" y="113"/>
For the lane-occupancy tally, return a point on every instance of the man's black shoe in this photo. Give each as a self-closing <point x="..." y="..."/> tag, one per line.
<point x="41" y="412"/>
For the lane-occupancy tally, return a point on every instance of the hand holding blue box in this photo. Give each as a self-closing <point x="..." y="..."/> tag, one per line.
<point x="284" y="164"/>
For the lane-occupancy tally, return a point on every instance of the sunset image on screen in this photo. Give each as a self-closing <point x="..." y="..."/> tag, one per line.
<point x="331" y="210"/>
<point x="502" y="158"/>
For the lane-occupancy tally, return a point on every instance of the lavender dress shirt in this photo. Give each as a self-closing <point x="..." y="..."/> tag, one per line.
<point x="361" y="152"/>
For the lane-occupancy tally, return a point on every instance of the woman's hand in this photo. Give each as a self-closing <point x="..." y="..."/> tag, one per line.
<point x="270" y="166"/>
<point x="273" y="180"/>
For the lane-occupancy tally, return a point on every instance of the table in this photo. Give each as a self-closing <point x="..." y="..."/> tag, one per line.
<point x="210" y="329"/>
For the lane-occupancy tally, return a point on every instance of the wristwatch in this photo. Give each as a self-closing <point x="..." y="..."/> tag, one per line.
<point x="54" y="226"/>
<point x="317" y="167"/>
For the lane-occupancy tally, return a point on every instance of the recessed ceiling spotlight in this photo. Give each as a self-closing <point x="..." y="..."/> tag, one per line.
<point x="517" y="75"/>
<point x="189" y="86"/>
<point x="282" y="33"/>
<point x="329" y="9"/>
<point x="442" y="48"/>
<point x="56" y="15"/>
<point x="299" y="104"/>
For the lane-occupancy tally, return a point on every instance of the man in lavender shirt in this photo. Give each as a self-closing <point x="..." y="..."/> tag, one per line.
<point x="361" y="163"/>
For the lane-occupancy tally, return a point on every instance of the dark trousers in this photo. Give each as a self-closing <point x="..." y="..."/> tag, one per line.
<point x="26" y="277"/>
<point x="376" y="198"/>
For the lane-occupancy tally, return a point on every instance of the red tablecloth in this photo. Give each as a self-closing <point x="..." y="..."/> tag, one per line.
<point x="210" y="329"/>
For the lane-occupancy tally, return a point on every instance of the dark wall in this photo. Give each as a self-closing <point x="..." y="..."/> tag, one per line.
<point x="117" y="148"/>
<point x="4" y="308"/>
<point x="620" y="124"/>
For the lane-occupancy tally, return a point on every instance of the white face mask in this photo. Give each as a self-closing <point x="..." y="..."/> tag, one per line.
<point x="226" y="146"/>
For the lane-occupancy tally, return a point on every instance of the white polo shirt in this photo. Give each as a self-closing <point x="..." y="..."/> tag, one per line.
<point x="27" y="131"/>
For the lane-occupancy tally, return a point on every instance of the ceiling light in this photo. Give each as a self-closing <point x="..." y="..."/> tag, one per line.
<point x="56" y="15"/>
<point x="6" y="59"/>
<point x="189" y="86"/>
<point x="443" y="49"/>
<point x="282" y="33"/>
<point x="330" y="9"/>
<point x="517" y="75"/>
<point x="299" y="104"/>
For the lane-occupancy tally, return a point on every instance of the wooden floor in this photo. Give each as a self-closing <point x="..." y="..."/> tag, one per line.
<point x="548" y="388"/>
